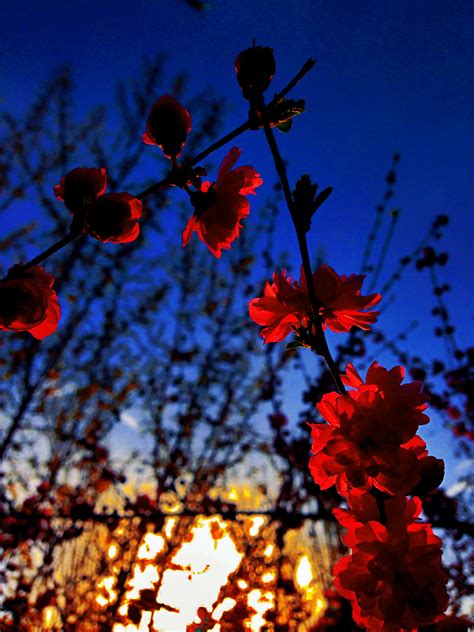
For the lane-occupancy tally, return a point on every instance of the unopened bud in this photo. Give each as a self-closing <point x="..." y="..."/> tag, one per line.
<point x="255" y="68"/>
<point x="168" y="126"/>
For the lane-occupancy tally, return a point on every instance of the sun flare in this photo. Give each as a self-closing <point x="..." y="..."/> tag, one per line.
<point x="178" y="576"/>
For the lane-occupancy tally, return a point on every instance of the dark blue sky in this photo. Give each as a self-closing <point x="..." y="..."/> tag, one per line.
<point x="391" y="76"/>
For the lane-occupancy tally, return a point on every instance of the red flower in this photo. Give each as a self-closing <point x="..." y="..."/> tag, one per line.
<point x="112" y="217"/>
<point x="285" y="304"/>
<point x="368" y="440"/>
<point x="168" y="126"/>
<point x="28" y="302"/>
<point x="80" y="187"/>
<point x="219" y="207"/>
<point x="394" y="576"/>
<point x="283" y="307"/>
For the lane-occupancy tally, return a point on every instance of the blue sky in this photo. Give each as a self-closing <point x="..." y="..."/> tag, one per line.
<point x="391" y="76"/>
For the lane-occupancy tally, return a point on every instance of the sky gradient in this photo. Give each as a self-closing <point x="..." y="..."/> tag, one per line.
<point x="390" y="76"/>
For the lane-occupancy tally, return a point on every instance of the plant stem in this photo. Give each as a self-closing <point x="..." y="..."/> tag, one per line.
<point x="64" y="241"/>
<point x="171" y="179"/>
<point x="305" y="68"/>
<point x="322" y="345"/>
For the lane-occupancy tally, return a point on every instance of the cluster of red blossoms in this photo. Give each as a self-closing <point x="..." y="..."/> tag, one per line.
<point x="107" y="217"/>
<point x="394" y="576"/>
<point x="27" y="299"/>
<point x="370" y="440"/>
<point x="369" y="449"/>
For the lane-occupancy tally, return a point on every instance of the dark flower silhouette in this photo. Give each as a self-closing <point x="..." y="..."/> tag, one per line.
<point x="80" y="187"/>
<point x="255" y="68"/>
<point x="28" y="302"/>
<point x="107" y="217"/>
<point x="168" y="126"/>
<point x="114" y="217"/>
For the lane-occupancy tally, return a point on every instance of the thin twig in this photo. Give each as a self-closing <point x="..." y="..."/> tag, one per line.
<point x="322" y="346"/>
<point x="173" y="178"/>
<point x="64" y="241"/>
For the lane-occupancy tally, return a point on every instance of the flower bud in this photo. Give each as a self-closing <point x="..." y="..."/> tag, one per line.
<point x="80" y="187"/>
<point x="106" y="217"/>
<point x="255" y="68"/>
<point x="168" y="126"/>
<point x="114" y="217"/>
<point x="28" y="302"/>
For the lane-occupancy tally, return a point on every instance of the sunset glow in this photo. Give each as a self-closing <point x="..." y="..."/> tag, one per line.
<point x="201" y="565"/>
<point x="199" y="568"/>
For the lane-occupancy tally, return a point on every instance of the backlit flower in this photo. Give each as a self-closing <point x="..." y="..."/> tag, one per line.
<point x="168" y="126"/>
<point x="283" y="307"/>
<point x="107" y="217"/>
<point x="80" y="187"/>
<point x="28" y="302"/>
<point x="370" y="437"/>
<point x="220" y="207"/>
<point x="255" y="68"/>
<point x="114" y="217"/>
<point x="394" y="576"/>
<point x="285" y="304"/>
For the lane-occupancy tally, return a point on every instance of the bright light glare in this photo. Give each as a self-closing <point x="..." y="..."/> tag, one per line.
<point x="260" y="602"/>
<point x="256" y="524"/>
<point x="206" y="564"/>
<point x="304" y="572"/>
<point x="152" y="545"/>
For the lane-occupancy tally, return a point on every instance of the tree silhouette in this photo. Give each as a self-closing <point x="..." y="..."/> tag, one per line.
<point x="155" y="349"/>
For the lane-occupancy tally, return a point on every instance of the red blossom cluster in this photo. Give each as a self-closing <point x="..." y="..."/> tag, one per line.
<point x="394" y="576"/>
<point x="107" y="217"/>
<point x="370" y="440"/>
<point x="28" y="302"/>
<point x="370" y="451"/>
